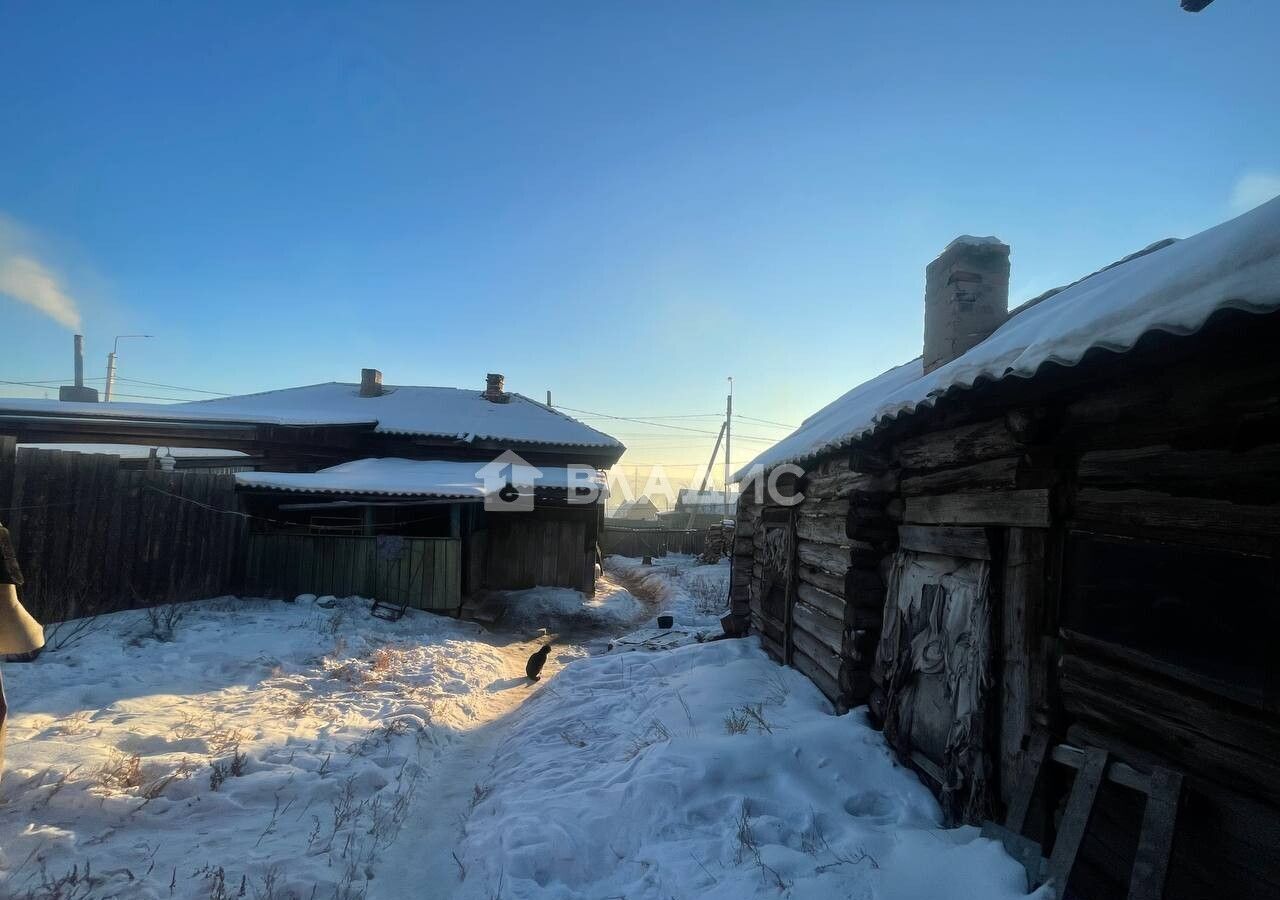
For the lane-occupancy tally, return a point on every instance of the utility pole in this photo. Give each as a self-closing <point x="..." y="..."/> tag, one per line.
<point x="711" y="464"/>
<point x="111" y="362"/>
<point x="728" y="438"/>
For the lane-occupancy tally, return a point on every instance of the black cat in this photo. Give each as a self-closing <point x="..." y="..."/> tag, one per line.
<point x="534" y="666"/>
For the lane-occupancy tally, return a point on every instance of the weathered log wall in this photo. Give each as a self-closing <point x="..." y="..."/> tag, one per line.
<point x="1176" y="443"/>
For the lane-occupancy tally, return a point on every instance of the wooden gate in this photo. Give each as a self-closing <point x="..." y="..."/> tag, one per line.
<point x="425" y="573"/>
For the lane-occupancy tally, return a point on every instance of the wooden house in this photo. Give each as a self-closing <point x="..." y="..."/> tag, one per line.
<point x="642" y="509"/>
<point x="389" y="491"/>
<point x="1046" y="556"/>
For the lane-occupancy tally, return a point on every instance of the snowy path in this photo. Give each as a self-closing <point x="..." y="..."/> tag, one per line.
<point x="421" y="863"/>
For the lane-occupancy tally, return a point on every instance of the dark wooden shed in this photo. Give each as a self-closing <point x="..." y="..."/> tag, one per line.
<point x="1049" y="563"/>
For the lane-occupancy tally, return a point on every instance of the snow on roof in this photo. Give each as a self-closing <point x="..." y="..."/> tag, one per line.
<point x="428" y="411"/>
<point x="140" y="451"/>
<point x="418" y="478"/>
<point x="1175" y="288"/>
<point x="691" y="497"/>
<point x="988" y="241"/>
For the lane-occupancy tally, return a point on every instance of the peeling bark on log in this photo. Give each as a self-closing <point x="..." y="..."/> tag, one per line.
<point x="815" y="506"/>
<point x="824" y="556"/>
<point x="956" y="446"/>
<point x="825" y="530"/>
<point x="991" y="475"/>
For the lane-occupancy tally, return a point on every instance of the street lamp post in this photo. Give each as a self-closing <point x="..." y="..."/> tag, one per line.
<point x="111" y="362"/>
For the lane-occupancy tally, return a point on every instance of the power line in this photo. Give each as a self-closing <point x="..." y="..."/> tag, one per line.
<point x="172" y="387"/>
<point x="763" y="421"/>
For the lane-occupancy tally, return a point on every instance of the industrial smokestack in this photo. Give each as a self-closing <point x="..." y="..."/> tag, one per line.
<point x="78" y="343"/>
<point x="78" y="392"/>
<point x="370" y="383"/>
<point x="966" y="297"/>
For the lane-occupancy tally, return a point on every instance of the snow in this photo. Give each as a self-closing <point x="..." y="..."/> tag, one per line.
<point x="363" y="758"/>
<point x="708" y="771"/>
<point x="140" y="451"/>
<point x="425" y="478"/>
<point x="430" y="411"/>
<point x="341" y="718"/>
<point x="552" y="607"/>
<point x="1175" y="289"/>
<point x="693" y="593"/>
<point x="973" y="241"/>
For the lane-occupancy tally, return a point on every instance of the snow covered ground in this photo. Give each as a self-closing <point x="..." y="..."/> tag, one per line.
<point x="696" y="594"/>
<point x="708" y="771"/>
<point x="305" y="751"/>
<point x="556" y="608"/>
<point x="265" y="745"/>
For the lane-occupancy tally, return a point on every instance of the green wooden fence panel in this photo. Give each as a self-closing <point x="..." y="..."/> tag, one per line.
<point x="425" y="573"/>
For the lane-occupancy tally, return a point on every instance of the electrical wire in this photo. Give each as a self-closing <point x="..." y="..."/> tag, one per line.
<point x="173" y="387"/>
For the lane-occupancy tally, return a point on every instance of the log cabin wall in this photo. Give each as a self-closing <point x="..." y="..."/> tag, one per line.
<point x="1130" y="507"/>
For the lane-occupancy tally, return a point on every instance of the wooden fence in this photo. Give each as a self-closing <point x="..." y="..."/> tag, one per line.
<point x="650" y="541"/>
<point x="425" y="573"/>
<point x="91" y="537"/>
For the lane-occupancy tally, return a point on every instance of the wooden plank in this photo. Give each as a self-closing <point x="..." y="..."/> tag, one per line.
<point x="829" y="686"/>
<point x="1235" y="747"/>
<point x="1021" y="666"/>
<point x="1084" y="645"/>
<point x="1151" y="509"/>
<point x="815" y="649"/>
<point x="1027" y="509"/>
<point x="828" y="630"/>
<point x="824" y="529"/>
<point x="945" y="540"/>
<point x="828" y="603"/>
<point x="990" y="475"/>
<point x="1029" y="766"/>
<point x="1076" y="818"/>
<point x="832" y="584"/>
<point x="1212" y="468"/>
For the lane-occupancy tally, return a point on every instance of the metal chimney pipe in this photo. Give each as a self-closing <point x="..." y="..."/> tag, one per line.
<point x="79" y="345"/>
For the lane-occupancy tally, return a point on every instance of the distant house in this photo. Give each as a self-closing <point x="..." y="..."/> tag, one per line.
<point x="714" y="503"/>
<point x="450" y="490"/>
<point x="640" y="510"/>
<point x="1050" y="542"/>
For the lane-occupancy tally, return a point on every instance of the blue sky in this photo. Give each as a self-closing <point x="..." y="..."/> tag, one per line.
<point x="624" y="203"/>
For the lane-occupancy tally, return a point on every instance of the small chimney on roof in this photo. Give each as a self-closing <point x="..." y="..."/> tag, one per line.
<point x="78" y="392"/>
<point x="370" y="383"/>
<point x="966" y="297"/>
<point x="493" y="389"/>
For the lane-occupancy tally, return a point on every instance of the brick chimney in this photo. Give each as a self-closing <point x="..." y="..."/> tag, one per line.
<point x="493" y="389"/>
<point x="966" y="297"/>
<point x="370" y="383"/>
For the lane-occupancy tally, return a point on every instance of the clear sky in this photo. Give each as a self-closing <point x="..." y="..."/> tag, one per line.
<point x="623" y="203"/>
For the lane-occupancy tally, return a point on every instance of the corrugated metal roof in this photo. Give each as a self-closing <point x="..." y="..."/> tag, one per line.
<point x="443" y="412"/>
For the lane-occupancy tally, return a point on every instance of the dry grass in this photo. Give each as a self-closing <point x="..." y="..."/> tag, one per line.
<point x="121" y="772"/>
<point x="382" y="659"/>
